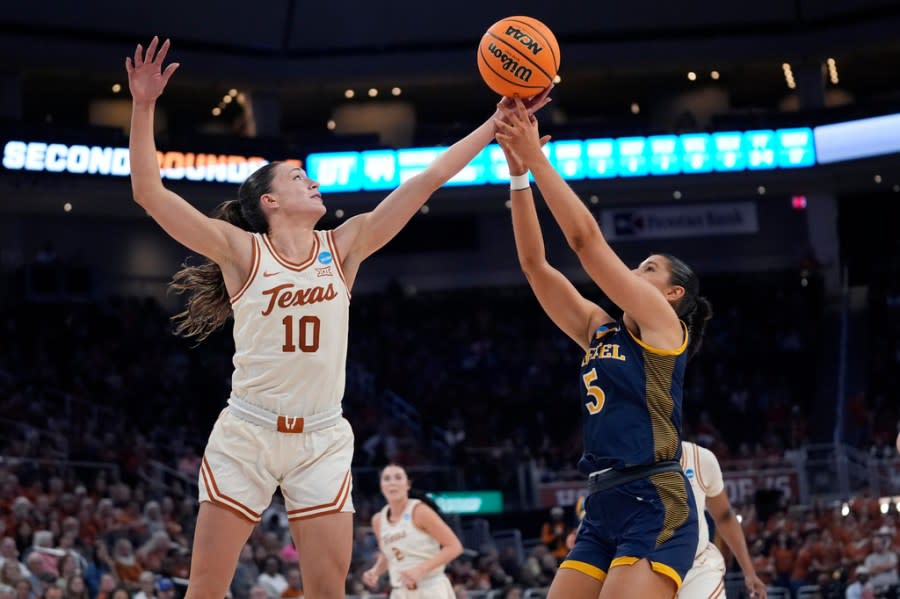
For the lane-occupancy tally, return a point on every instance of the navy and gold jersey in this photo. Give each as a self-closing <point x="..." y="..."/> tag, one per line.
<point x="632" y="400"/>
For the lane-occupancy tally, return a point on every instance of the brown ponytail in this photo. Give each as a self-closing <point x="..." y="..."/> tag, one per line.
<point x="208" y="305"/>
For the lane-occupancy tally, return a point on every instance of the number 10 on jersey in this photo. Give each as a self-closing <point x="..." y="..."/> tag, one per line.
<point x="308" y="333"/>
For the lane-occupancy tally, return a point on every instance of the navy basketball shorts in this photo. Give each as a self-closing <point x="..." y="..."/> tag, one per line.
<point x="650" y="518"/>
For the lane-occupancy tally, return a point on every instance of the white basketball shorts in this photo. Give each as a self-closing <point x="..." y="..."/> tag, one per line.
<point x="706" y="578"/>
<point x="244" y="463"/>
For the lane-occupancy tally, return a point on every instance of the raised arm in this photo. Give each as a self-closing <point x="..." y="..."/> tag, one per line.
<point x="635" y="296"/>
<point x="219" y="241"/>
<point x="569" y="310"/>
<point x="364" y="234"/>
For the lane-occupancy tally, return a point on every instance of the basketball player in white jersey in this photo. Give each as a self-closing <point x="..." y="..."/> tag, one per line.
<point x="706" y="579"/>
<point x="416" y="544"/>
<point x="288" y="288"/>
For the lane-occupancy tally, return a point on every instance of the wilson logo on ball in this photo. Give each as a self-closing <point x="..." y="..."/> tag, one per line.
<point x="510" y="64"/>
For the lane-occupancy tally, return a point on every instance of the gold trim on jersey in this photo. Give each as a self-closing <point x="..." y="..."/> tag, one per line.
<point x="585" y="568"/>
<point x="287" y="263"/>
<point x="670" y="486"/>
<point x="254" y="268"/>
<point x="663" y="352"/>
<point x="659" y="567"/>
<point x="658" y="371"/>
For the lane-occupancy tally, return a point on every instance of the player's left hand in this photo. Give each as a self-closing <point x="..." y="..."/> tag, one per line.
<point x="532" y="104"/>
<point x="517" y="132"/>
<point x="756" y="587"/>
<point x="411" y="576"/>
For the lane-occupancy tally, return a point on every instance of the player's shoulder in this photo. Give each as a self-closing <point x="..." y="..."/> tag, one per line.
<point x="706" y="455"/>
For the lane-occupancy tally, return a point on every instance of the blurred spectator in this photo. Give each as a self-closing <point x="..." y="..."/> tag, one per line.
<point x="258" y="592"/>
<point x="76" y="588"/>
<point x="146" y="584"/>
<point x="10" y="553"/>
<point x="271" y="578"/>
<point x="52" y="592"/>
<point x="245" y="574"/>
<point x="151" y="554"/>
<point x="882" y="562"/>
<point x="294" y="584"/>
<point x="24" y="589"/>
<point x="861" y="588"/>
<point x="512" y="592"/>
<point x="11" y="572"/>
<point x="554" y="532"/>
<point x="126" y="566"/>
<point x="165" y="588"/>
<point x="106" y="587"/>
<point x="533" y="572"/>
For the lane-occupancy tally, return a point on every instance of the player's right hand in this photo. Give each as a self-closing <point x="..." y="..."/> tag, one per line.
<point x="146" y="79"/>
<point x="370" y="578"/>
<point x="756" y="587"/>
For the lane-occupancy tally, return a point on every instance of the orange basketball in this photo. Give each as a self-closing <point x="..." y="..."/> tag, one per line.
<point x="518" y="55"/>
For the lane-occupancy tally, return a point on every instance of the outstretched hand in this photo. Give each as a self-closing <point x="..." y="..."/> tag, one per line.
<point x="532" y="105"/>
<point x="146" y="78"/>
<point x="515" y="164"/>
<point x="517" y="133"/>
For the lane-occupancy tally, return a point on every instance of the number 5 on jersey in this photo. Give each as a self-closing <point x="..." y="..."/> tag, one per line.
<point x="598" y="397"/>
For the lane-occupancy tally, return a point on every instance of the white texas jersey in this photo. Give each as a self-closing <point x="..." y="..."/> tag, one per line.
<point x="406" y="546"/>
<point x="702" y="469"/>
<point x="290" y="330"/>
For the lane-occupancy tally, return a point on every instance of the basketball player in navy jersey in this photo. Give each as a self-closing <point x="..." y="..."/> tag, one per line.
<point x="288" y="287"/>
<point x="640" y="530"/>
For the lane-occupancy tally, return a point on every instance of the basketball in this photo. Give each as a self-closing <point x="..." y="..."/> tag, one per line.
<point x="518" y="55"/>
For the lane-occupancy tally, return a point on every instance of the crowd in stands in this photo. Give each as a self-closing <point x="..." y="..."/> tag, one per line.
<point x="66" y="536"/>
<point x="94" y="394"/>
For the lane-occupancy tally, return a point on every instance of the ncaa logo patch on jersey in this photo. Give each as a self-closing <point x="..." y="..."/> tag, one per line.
<point x="325" y="258"/>
<point x="407" y="517"/>
<point x="689" y="473"/>
<point x="605" y="329"/>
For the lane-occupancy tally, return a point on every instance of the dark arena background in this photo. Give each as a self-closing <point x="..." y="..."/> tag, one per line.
<point x="758" y="141"/>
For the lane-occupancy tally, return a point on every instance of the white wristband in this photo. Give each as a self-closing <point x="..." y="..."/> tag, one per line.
<point x="519" y="182"/>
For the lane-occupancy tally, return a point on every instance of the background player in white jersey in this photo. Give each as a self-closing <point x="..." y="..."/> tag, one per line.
<point x="288" y="287"/>
<point x="706" y="579"/>
<point x="416" y="544"/>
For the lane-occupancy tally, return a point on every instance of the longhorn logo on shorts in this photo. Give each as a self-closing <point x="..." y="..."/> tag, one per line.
<point x="290" y="424"/>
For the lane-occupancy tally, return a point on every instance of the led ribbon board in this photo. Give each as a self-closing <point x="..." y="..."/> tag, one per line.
<point x="603" y="158"/>
<point x="79" y="159"/>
